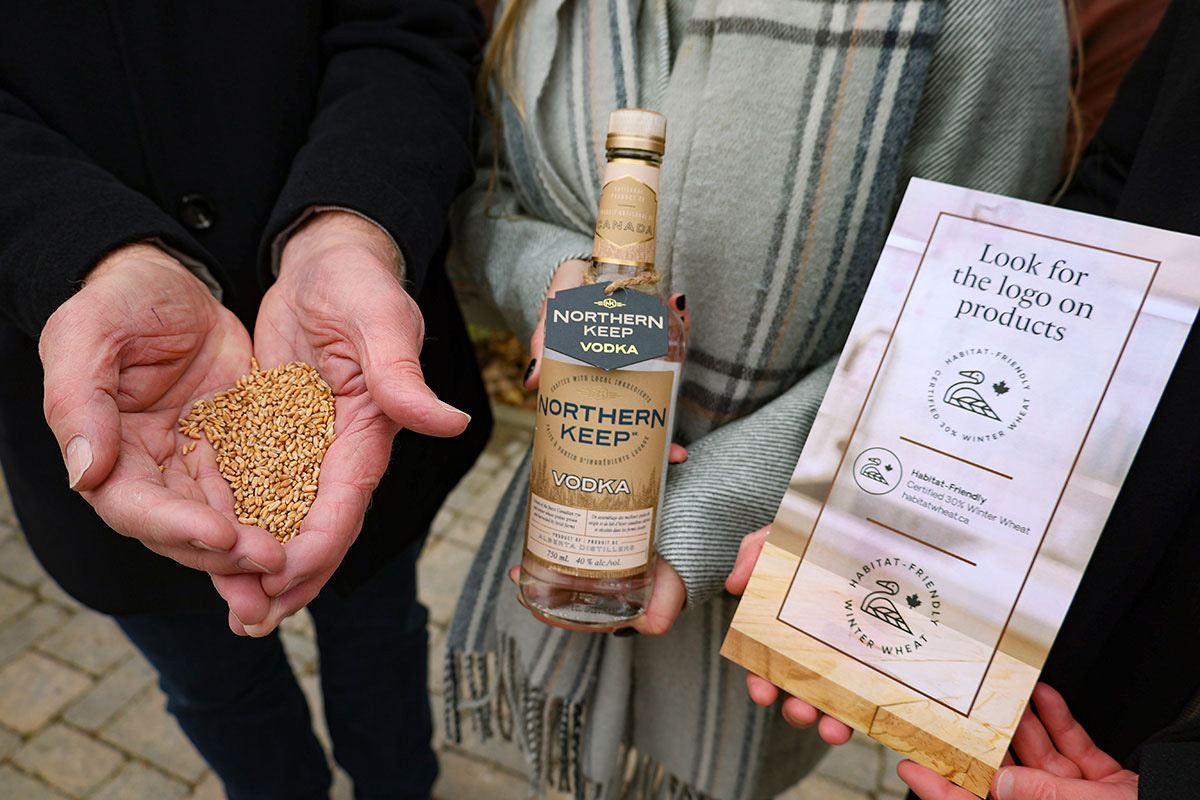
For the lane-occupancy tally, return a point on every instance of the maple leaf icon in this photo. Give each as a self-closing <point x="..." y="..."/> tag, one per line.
<point x="888" y="467"/>
<point x="912" y="600"/>
<point x="1000" y="388"/>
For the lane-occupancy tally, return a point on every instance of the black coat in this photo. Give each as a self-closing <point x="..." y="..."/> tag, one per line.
<point x="212" y="126"/>
<point x="1127" y="659"/>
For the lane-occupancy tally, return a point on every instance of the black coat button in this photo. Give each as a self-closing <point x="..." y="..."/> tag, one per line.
<point x="197" y="212"/>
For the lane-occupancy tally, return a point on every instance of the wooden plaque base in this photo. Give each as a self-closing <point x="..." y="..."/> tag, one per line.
<point x="966" y="749"/>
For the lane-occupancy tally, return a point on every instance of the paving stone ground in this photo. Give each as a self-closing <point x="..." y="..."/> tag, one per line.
<point x="81" y="715"/>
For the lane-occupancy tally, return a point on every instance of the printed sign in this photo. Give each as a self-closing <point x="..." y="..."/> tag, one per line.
<point x="1001" y="372"/>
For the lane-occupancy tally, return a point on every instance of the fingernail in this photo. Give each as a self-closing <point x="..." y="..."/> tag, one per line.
<point x="250" y="565"/>
<point x="1004" y="784"/>
<point x="449" y="407"/>
<point x="682" y="302"/>
<point x="79" y="458"/>
<point x="257" y="631"/>
<point x="199" y="545"/>
<point x="529" y="369"/>
<point x="262" y="628"/>
<point x="623" y="632"/>
<point x="290" y="584"/>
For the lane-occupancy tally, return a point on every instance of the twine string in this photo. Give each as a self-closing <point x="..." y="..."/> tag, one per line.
<point x="648" y="277"/>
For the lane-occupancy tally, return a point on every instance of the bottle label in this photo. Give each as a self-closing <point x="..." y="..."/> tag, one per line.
<point x="598" y="466"/>
<point x="609" y="331"/>
<point x="627" y="221"/>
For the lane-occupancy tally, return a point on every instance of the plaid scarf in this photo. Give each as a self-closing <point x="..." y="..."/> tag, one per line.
<point x="791" y="125"/>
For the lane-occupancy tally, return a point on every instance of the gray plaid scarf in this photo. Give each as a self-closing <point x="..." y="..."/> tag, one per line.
<point x="791" y="124"/>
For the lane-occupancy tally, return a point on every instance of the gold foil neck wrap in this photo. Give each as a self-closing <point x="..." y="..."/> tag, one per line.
<point x="620" y="141"/>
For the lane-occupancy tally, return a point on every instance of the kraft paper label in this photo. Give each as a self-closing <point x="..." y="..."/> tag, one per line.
<point x="598" y="460"/>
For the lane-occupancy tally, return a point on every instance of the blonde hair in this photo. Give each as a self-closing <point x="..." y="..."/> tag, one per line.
<point x="498" y="64"/>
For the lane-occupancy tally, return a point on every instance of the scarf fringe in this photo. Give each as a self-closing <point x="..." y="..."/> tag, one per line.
<point x="484" y="689"/>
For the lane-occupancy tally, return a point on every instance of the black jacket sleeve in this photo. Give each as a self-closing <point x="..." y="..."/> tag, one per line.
<point x="391" y="136"/>
<point x="60" y="213"/>
<point x="1142" y="638"/>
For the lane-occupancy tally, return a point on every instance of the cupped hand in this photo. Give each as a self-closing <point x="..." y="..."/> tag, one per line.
<point x="339" y="306"/>
<point x="797" y="712"/>
<point x="1059" y="760"/>
<point x="124" y="359"/>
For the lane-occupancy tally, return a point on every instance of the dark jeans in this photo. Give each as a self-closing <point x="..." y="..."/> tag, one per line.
<point x="238" y="701"/>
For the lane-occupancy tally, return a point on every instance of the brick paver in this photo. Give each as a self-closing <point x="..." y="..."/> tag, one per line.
<point x="144" y="729"/>
<point x="137" y="780"/>
<point x="71" y="761"/>
<point x="90" y="641"/>
<point x="81" y="715"/>
<point x="33" y="689"/>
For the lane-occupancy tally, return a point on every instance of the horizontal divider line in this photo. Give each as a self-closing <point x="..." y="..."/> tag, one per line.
<point x="921" y="541"/>
<point x="956" y="458"/>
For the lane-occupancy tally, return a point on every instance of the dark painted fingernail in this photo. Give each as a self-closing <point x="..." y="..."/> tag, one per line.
<point x="529" y="370"/>
<point x="682" y="302"/>
<point x="623" y="632"/>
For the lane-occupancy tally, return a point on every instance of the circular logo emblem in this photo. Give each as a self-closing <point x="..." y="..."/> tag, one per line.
<point x="893" y="606"/>
<point x="877" y="470"/>
<point x="978" y="394"/>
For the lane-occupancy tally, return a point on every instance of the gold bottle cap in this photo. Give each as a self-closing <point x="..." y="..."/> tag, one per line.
<point x="637" y="129"/>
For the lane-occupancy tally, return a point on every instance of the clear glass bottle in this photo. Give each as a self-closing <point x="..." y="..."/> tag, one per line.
<point x="589" y="554"/>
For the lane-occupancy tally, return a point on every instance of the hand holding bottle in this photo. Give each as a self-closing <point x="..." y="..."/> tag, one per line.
<point x="602" y="439"/>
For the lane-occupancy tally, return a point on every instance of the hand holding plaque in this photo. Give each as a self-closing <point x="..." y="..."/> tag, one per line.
<point x="1002" y="370"/>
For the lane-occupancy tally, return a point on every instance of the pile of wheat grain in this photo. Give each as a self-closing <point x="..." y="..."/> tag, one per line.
<point x="270" y="432"/>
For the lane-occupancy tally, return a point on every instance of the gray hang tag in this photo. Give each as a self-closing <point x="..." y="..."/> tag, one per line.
<point x="608" y="331"/>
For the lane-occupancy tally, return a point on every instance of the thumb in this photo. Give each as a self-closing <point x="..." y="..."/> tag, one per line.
<point x="747" y="557"/>
<point x="396" y="384"/>
<point x="79" y="392"/>
<point x="1018" y="783"/>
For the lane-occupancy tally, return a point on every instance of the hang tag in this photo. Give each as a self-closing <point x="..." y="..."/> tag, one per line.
<point x="608" y="331"/>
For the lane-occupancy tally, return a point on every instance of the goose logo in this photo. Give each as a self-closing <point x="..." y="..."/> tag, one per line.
<point x="894" y="607"/>
<point x="978" y="394"/>
<point x="879" y="604"/>
<point x="877" y="470"/>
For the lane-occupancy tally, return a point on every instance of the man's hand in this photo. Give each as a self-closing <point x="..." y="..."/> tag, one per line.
<point x="339" y="306"/>
<point x="795" y="711"/>
<point x="124" y="359"/>
<point x="1060" y="761"/>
